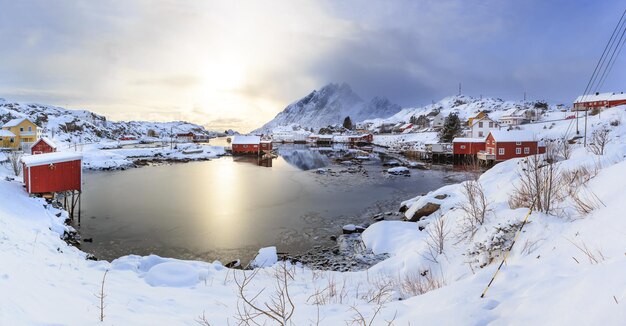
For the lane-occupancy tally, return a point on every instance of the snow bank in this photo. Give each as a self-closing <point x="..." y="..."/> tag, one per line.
<point x="175" y="274"/>
<point x="265" y="258"/>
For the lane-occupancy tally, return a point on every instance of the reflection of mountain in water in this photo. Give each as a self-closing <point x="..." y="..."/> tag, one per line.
<point x="302" y="157"/>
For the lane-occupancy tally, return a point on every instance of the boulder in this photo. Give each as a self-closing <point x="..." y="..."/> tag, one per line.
<point x="425" y="210"/>
<point x="441" y="197"/>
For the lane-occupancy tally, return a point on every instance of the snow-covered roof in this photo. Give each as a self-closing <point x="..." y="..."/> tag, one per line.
<point x="512" y="117"/>
<point x="14" y="122"/>
<point x="50" y="158"/>
<point x="47" y="141"/>
<point x="509" y="136"/>
<point x="244" y="140"/>
<point x="6" y="133"/>
<point x="468" y="140"/>
<point x="601" y="97"/>
<point x="476" y="120"/>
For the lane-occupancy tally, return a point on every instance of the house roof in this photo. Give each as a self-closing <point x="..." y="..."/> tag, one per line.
<point x="50" y="158"/>
<point x="601" y="97"/>
<point x="475" y="120"/>
<point x="6" y="133"/>
<point x="244" y="140"/>
<point x="468" y="140"/>
<point x="47" y="141"/>
<point x="14" y="122"/>
<point x="514" y="117"/>
<point x="511" y="136"/>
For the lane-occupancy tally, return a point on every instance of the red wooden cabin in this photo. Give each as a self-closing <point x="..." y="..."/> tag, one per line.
<point x="52" y="172"/>
<point x="599" y="100"/>
<point x="361" y="139"/>
<point x="42" y="146"/>
<point x="249" y="145"/>
<point x="467" y="146"/>
<point x="502" y="145"/>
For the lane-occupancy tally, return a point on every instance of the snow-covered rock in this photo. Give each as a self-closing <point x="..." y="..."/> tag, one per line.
<point x="265" y="258"/>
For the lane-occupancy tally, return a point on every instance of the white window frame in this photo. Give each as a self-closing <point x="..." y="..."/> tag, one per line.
<point x="462" y="146"/>
<point x="518" y="151"/>
<point x="501" y="151"/>
<point x="526" y="150"/>
<point x="518" y="143"/>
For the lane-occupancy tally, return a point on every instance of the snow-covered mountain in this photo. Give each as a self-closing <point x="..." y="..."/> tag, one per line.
<point x="85" y="126"/>
<point x="465" y="106"/>
<point x="329" y="106"/>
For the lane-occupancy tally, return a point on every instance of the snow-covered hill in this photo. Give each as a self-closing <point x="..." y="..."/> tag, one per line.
<point x="566" y="267"/>
<point x="465" y="107"/>
<point x="329" y="106"/>
<point x="85" y="127"/>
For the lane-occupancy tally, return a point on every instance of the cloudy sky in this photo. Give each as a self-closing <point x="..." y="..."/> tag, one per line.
<point x="235" y="64"/>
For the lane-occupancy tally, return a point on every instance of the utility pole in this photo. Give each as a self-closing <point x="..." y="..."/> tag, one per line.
<point x="524" y="96"/>
<point x="585" y="140"/>
<point x="459" y="88"/>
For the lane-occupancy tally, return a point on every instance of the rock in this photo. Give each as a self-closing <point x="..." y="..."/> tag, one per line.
<point x="403" y="208"/>
<point x="391" y="163"/>
<point x="388" y="213"/>
<point x="88" y="240"/>
<point x="349" y="229"/>
<point x="400" y="170"/>
<point x="425" y="210"/>
<point x="234" y="264"/>
<point x="333" y="238"/>
<point x="441" y="197"/>
<point x="378" y="218"/>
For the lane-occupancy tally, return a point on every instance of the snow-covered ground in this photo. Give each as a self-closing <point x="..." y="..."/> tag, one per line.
<point x="100" y="157"/>
<point x="565" y="269"/>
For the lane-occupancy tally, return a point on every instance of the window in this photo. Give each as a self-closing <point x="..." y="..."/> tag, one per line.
<point x="518" y="151"/>
<point x="526" y="150"/>
<point x="501" y="151"/>
<point x="490" y="124"/>
<point x="480" y="124"/>
<point x="21" y="129"/>
<point x="245" y="146"/>
<point x="480" y="134"/>
<point x="12" y="140"/>
<point x="518" y="143"/>
<point x="30" y="128"/>
<point x="462" y="146"/>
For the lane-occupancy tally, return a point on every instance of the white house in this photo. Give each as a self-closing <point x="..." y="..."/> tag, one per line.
<point x="437" y="120"/>
<point x="480" y="128"/>
<point x="512" y="120"/>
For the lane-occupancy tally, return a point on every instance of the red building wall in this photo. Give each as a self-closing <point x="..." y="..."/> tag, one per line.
<point x="41" y="147"/>
<point x="493" y="147"/>
<point x="54" y="177"/>
<point x="245" y="148"/>
<point x="467" y="148"/>
<point x="266" y="146"/>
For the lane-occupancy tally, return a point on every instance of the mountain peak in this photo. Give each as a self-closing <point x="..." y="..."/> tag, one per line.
<point x="329" y="106"/>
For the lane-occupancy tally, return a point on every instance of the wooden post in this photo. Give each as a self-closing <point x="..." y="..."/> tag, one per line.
<point x="79" y="201"/>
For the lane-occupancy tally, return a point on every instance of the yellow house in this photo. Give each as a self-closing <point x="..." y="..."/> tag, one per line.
<point x="477" y="117"/>
<point x="19" y="133"/>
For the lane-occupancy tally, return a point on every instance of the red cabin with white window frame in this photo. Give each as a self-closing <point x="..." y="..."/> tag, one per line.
<point x="42" y="146"/>
<point x="467" y="146"/>
<point x="599" y="101"/>
<point x="52" y="172"/>
<point x="250" y="145"/>
<point x="504" y="145"/>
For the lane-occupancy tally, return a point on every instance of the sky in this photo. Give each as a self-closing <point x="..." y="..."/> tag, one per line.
<point x="236" y="64"/>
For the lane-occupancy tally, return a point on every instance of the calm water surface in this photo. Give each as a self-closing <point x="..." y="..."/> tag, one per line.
<point x="228" y="208"/>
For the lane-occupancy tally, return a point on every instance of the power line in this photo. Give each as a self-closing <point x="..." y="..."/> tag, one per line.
<point x="598" y="66"/>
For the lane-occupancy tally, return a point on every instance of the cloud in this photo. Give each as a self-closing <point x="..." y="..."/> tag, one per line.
<point x="237" y="64"/>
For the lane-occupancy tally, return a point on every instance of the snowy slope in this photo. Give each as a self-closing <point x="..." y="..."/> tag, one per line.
<point x="465" y="107"/>
<point x="85" y="127"/>
<point x="565" y="269"/>
<point x="329" y="106"/>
